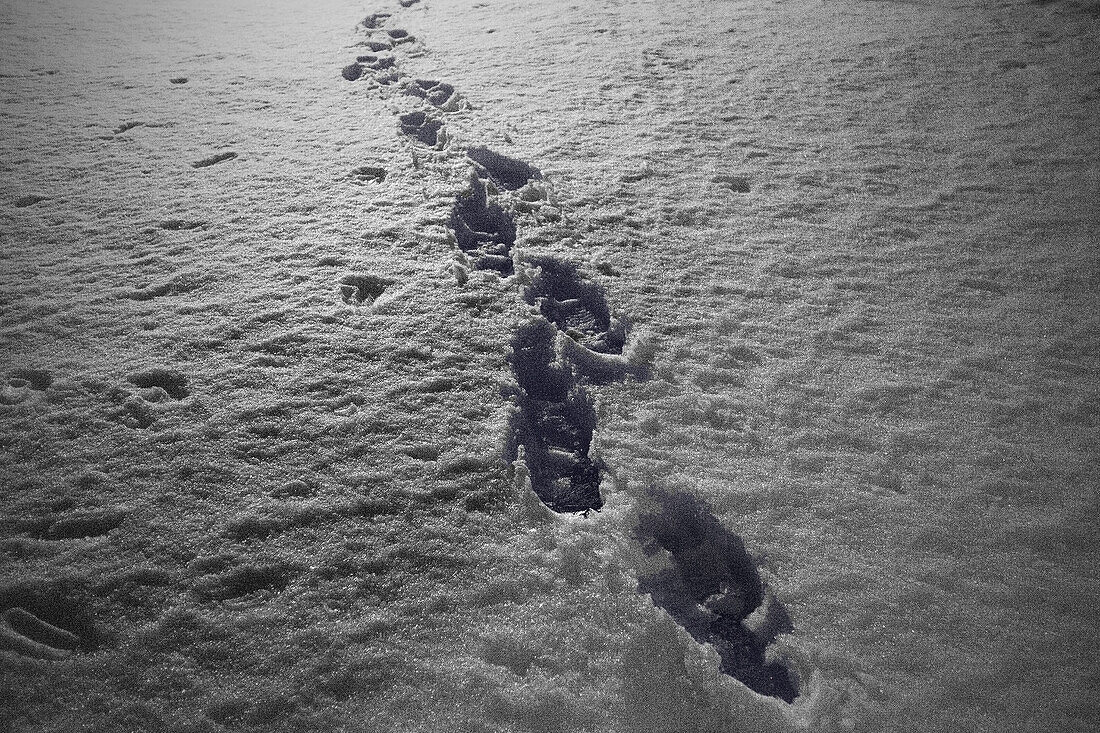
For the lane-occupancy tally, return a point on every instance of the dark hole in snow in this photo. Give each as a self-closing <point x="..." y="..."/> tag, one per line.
<point x="170" y="380"/>
<point x="178" y="80"/>
<point x="554" y="425"/>
<point x="374" y="20"/>
<point x="712" y="588"/>
<point x="575" y="305"/>
<point x="506" y="172"/>
<point x="483" y="229"/>
<point x="418" y="125"/>
<point x="351" y="72"/>
<point x="362" y="288"/>
<point x="370" y="173"/>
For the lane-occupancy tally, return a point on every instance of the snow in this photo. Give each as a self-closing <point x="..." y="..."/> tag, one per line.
<point x="312" y="314"/>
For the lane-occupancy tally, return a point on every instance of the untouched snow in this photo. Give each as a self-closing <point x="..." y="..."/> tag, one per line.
<point x="797" y="299"/>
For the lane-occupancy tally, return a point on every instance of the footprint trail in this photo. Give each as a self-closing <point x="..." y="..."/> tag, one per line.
<point x="571" y="342"/>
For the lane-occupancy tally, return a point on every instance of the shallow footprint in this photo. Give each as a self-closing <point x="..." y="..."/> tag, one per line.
<point x="24" y="632"/>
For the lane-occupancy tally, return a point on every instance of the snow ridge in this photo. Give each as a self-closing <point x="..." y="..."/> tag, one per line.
<point x="571" y="341"/>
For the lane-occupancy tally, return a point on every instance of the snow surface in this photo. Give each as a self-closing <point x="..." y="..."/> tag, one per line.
<point x="790" y="307"/>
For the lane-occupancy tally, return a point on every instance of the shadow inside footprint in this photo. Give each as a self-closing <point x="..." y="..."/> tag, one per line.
<point x="574" y="304"/>
<point x="45" y="623"/>
<point x="554" y="424"/>
<point x="711" y="589"/>
<point x="483" y="229"/>
<point x="170" y="380"/>
<point x="359" y="289"/>
<point x="505" y="172"/>
<point x="438" y="93"/>
<point x="369" y="174"/>
<point x="421" y="127"/>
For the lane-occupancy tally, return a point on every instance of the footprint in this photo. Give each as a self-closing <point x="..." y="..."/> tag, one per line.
<point x="174" y="383"/>
<point x="23" y="632"/>
<point x="180" y="224"/>
<point x="15" y="391"/>
<point x="374" y="20"/>
<point x="554" y="425"/>
<point x="133" y="410"/>
<point x="36" y="379"/>
<point x="79" y="525"/>
<point x="984" y="284"/>
<point x="375" y="46"/>
<point x="737" y="184"/>
<point x="22" y="384"/>
<point x="351" y="72"/>
<point x="359" y="289"/>
<point x="224" y="584"/>
<point x="418" y="125"/>
<point x="24" y="201"/>
<point x="185" y="282"/>
<point x="438" y="93"/>
<point x="575" y="305"/>
<point x="483" y="230"/>
<point x="398" y="36"/>
<point x="127" y="126"/>
<point x="507" y="173"/>
<point x="713" y="589"/>
<point x="214" y="159"/>
<point x="43" y="622"/>
<point x="375" y="62"/>
<point x="369" y="174"/>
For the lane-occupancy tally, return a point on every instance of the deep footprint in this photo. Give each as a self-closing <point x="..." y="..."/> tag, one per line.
<point x="575" y="305"/>
<point x="421" y="127"/>
<point x="45" y="623"/>
<point x="555" y="423"/>
<point x="712" y="588"/>
<point x="507" y="173"/>
<point x="483" y="230"/>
